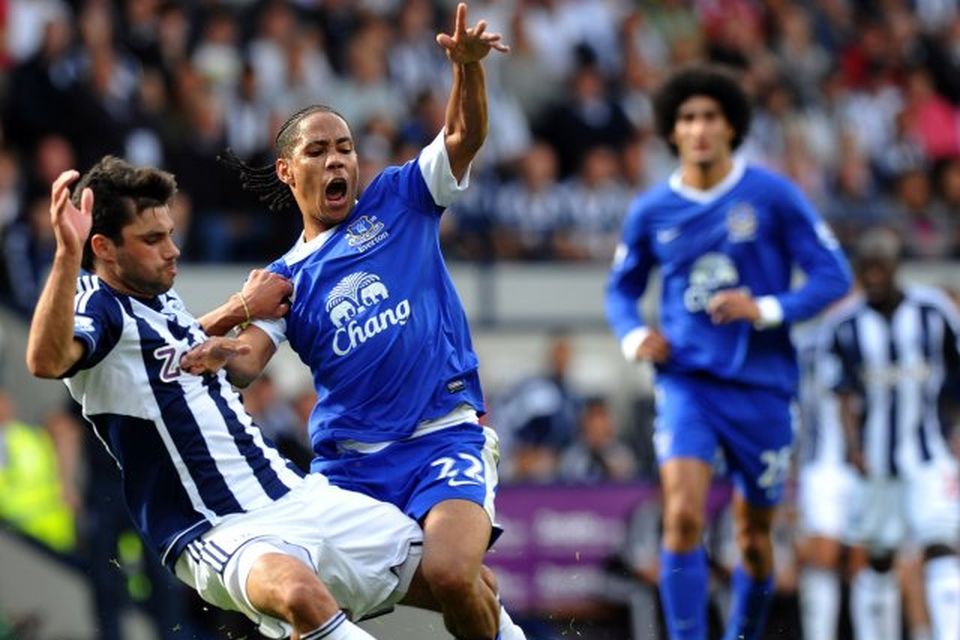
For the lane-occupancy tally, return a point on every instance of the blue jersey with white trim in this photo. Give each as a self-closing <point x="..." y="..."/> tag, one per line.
<point x="188" y="452"/>
<point x="749" y="232"/>
<point x="375" y="314"/>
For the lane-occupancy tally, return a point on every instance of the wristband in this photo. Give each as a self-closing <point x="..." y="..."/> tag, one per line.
<point x="246" y="310"/>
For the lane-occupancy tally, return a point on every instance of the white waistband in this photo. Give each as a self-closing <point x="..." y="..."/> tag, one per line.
<point x="463" y="413"/>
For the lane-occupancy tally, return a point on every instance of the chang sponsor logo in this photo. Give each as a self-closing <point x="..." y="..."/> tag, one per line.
<point x="349" y="304"/>
<point x="710" y="273"/>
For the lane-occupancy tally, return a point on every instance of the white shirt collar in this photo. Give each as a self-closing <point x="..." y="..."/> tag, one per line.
<point x="304" y="248"/>
<point x="705" y="196"/>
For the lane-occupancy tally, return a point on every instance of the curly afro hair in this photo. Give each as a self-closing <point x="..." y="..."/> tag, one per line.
<point x="710" y="81"/>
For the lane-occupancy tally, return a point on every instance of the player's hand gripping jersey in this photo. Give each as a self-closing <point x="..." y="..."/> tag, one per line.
<point x="375" y="315"/>
<point x="747" y="232"/>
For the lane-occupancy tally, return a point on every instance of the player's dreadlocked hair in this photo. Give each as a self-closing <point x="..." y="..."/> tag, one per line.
<point x="263" y="181"/>
<point x="703" y="80"/>
<point x="120" y="192"/>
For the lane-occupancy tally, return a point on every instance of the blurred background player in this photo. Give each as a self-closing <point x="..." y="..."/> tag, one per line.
<point x="889" y="356"/>
<point x="727" y="237"/>
<point x="824" y="485"/>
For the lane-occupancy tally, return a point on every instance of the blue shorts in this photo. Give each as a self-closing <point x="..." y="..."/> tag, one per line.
<point x="458" y="462"/>
<point x="753" y="428"/>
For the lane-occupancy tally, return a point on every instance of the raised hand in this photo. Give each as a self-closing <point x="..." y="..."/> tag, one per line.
<point x="71" y="226"/>
<point x="267" y="294"/>
<point x="469" y="45"/>
<point x="211" y="356"/>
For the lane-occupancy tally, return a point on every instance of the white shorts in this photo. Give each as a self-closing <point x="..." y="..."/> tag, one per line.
<point x="364" y="551"/>
<point x="823" y="499"/>
<point x="924" y="502"/>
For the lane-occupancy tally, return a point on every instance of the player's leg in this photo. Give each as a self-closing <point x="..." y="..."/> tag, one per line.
<point x="824" y="494"/>
<point x="686" y="445"/>
<point x="283" y="587"/>
<point x="935" y="521"/>
<point x="685" y="483"/>
<point x="752" y="580"/>
<point x="820" y="587"/>
<point x="877" y="529"/>
<point x="756" y="432"/>
<point x="421" y="596"/>
<point x="875" y="598"/>
<point x="455" y="538"/>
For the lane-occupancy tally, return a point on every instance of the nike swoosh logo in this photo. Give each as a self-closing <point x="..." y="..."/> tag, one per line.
<point x="460" y="483"/>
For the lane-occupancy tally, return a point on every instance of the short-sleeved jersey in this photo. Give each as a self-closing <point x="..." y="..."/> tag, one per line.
<point x="375" y="315"/>
<point x="898" y="366"/>
<point x="189" y="454"/>
<point x="749" y="231"/>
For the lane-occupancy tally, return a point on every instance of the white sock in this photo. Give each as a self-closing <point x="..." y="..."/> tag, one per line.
<point x="819" y="603"/>
<point x="941" y="578"/>
<point x="875" y="605"/>
<point x="337" y="628"/>
<point x="508" y="630"/>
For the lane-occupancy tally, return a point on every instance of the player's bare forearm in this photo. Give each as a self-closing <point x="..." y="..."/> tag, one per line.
<point x="243" y="357"/>
<point x="243" y="370"/>
<point x="850" y="421"/>
<point x="265" y="296"/>
<point x="51" y="347"/>
<point x="466" y="117"/>
<point x="221" y="320"/>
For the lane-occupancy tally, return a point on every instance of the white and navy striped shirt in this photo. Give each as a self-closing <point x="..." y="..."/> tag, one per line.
<point x="898" y="366"/>
<point x="189" y="453"/>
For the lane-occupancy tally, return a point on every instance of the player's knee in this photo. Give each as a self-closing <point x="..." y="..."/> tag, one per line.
<point x="304" y="598"/>
<point x="451" y="580"/>
<point x="756" y="547"/>
<point x="937" y="550"/>
<point x="684" y="521"/>
<point x="489" y="579"/>
<point x="881" y="561"/>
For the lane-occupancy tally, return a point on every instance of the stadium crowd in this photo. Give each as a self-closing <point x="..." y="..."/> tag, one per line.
<point x="857" y="101"/>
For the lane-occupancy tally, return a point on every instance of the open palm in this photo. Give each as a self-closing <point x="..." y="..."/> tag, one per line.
<point x="469" y="45"/>
<point x="70" y="225"/>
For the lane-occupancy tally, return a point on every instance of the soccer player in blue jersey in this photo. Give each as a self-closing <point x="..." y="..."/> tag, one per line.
<point x="216" y="502"/>
<point x="375" y="316"/>
<point x="726" y="238"/>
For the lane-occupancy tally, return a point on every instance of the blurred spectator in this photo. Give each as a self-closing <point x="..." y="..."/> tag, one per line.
<point x="122" y="571"/>
<point x="11" y="188"/>
<point x="28" y="247"/>
<point x="587" y="117"/>
<point x="926" y="229"/>
<point x="217" y="55"/>
<point x="31" y="490"/>
<point x="366" y="91"/>
<point x="538" y="417"/>
<point x="597" y="455"/>
<point x="596" y="200"/>
<point x="529" y="210"/>
<point x="39" y="86"/>
<point x="854" y="201"/>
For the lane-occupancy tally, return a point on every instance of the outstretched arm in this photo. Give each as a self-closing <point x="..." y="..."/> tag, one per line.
<point x="51" y="347"/>
<point x="466" y="116"/>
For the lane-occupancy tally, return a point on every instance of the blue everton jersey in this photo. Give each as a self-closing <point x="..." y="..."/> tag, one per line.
<point x="749" y="232"/>
<point x="375" y="315"/>
<point x="189" y="455"/>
